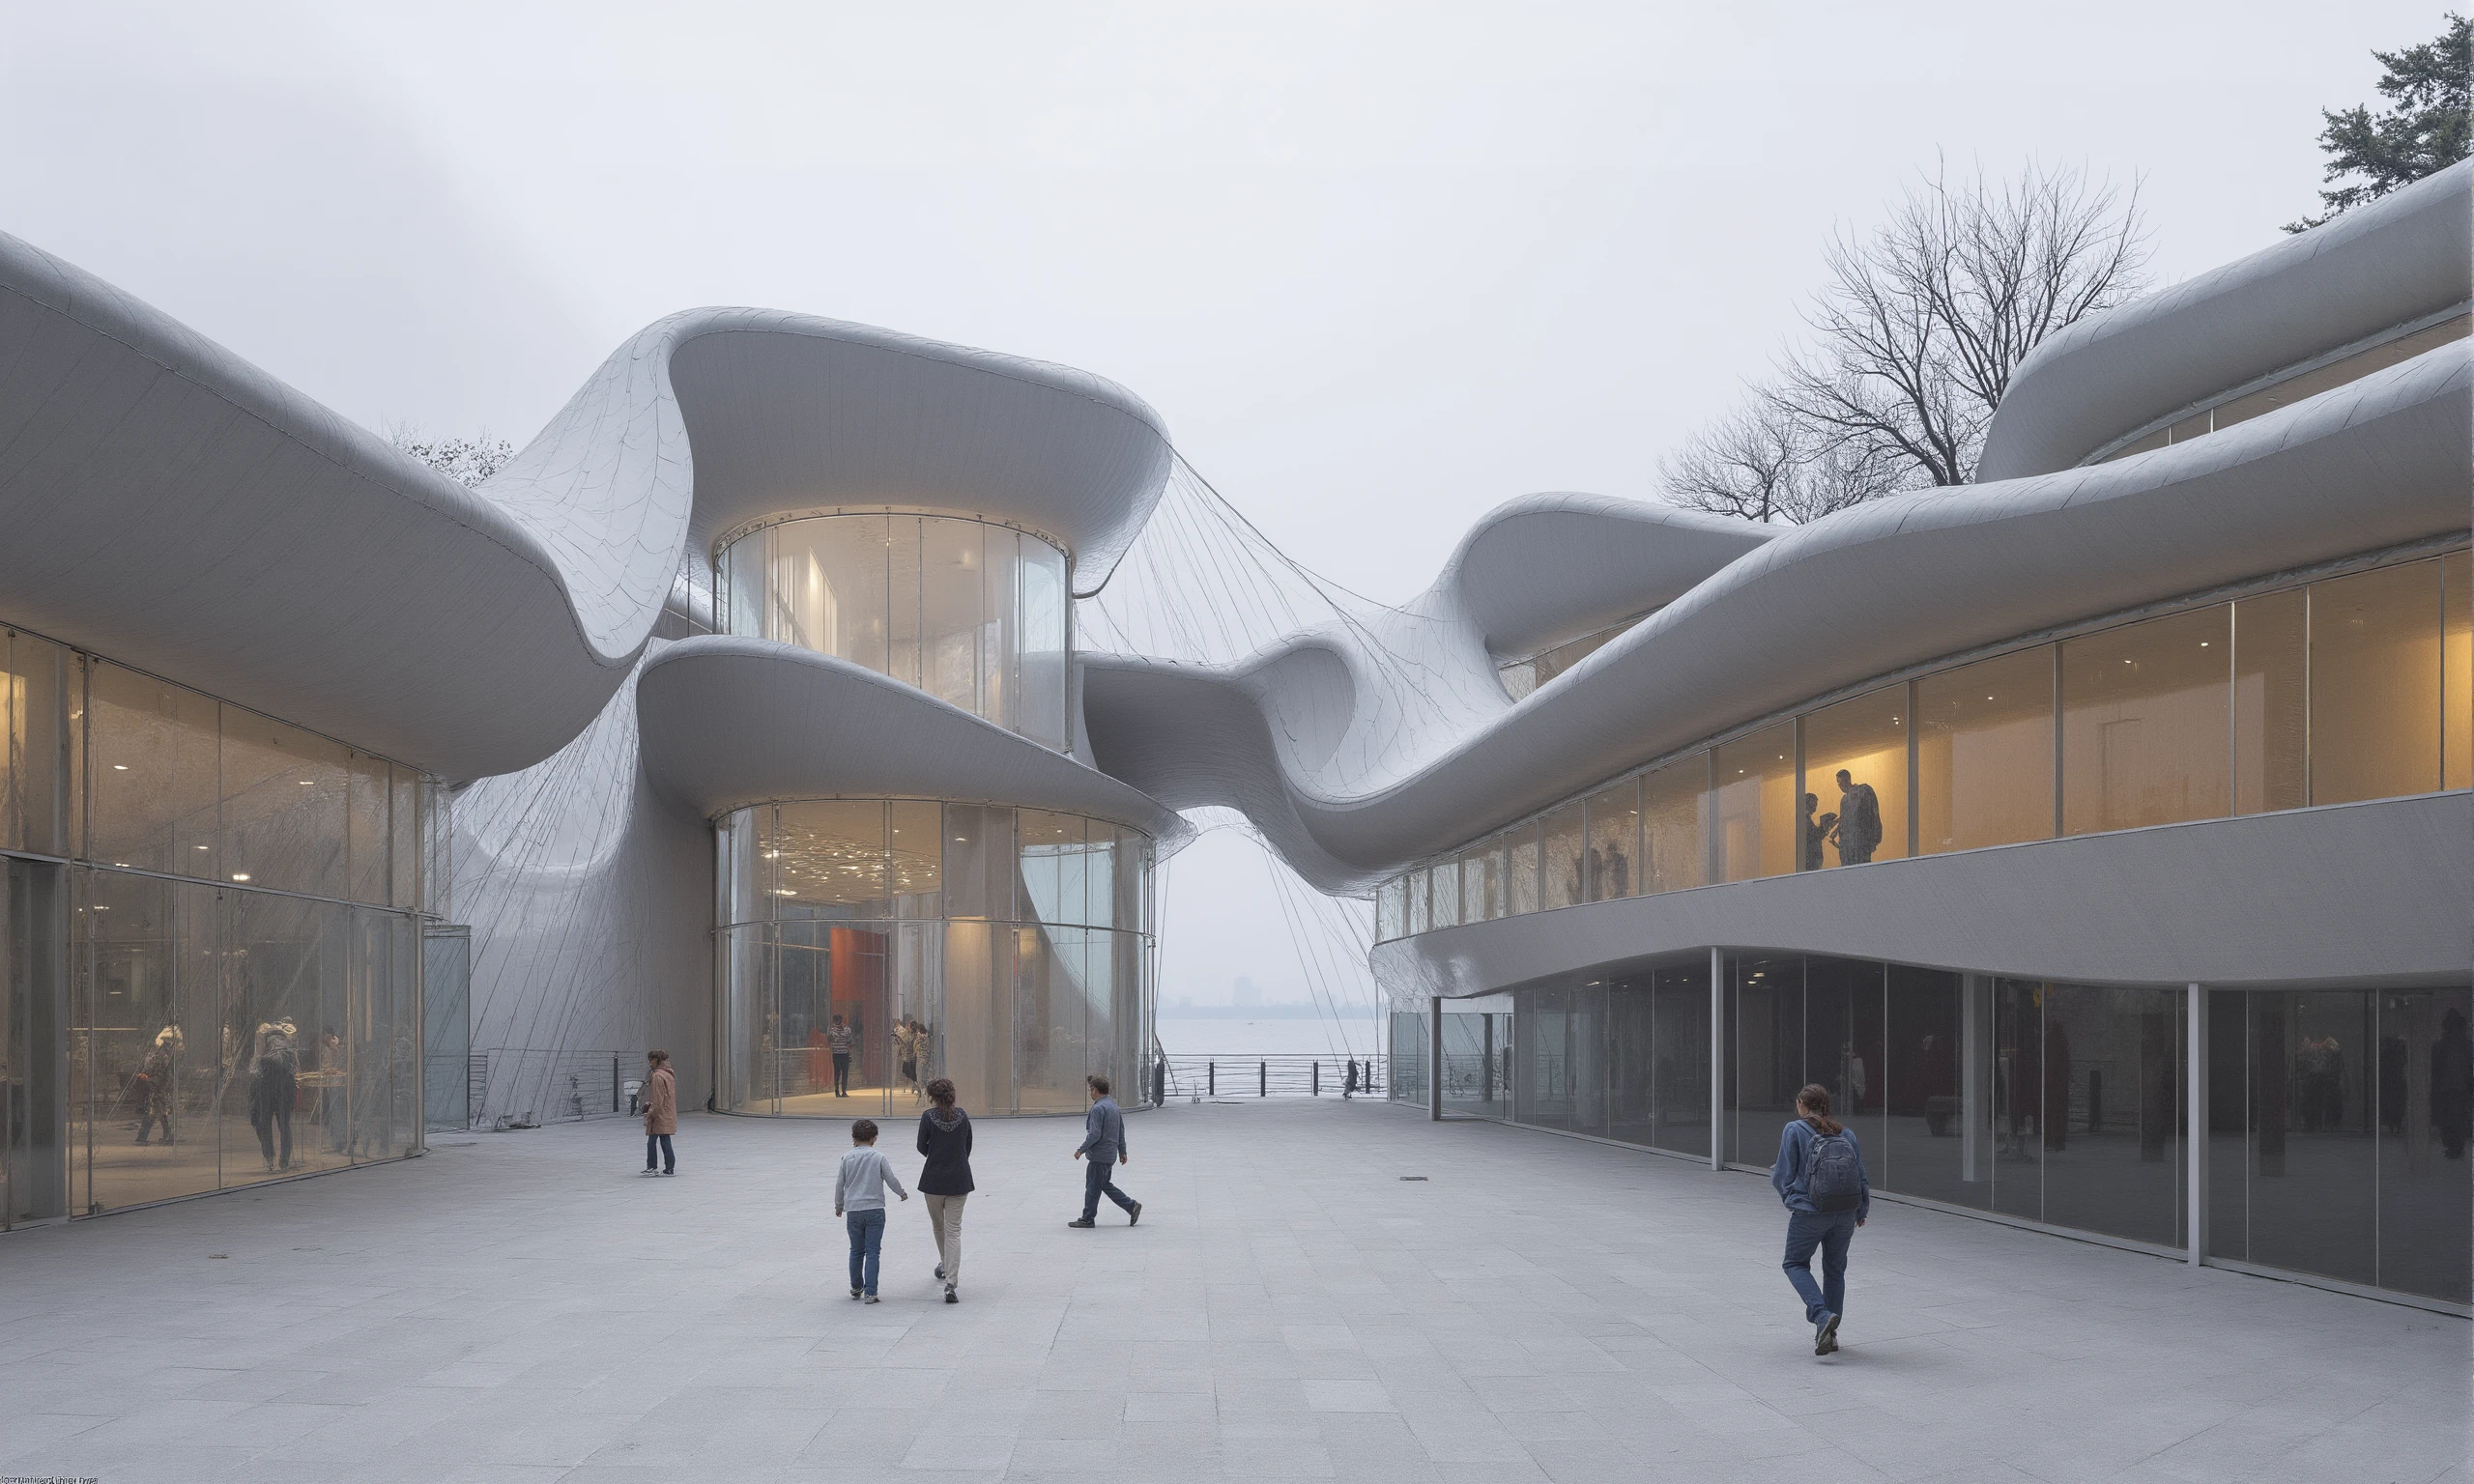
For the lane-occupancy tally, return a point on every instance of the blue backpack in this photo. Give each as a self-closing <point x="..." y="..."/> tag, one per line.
<point x="1834" y="1179"/>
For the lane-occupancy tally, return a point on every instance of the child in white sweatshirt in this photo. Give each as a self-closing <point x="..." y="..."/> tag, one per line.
<point x="859" y="1199"/>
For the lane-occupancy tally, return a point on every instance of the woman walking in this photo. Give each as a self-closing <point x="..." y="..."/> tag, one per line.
<point x="661" y="1114"/>
<point x="1820" y="1177"/>
<point x="944" y="1138"/>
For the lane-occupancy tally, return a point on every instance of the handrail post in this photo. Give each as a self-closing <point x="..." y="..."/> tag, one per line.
<point x="1262" y="1079"/>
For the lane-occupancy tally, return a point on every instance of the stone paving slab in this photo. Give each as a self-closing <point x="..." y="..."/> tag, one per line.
<point x="524" y="1307"/>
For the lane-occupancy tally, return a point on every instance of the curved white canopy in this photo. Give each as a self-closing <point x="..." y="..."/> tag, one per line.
<point x="173" y="507"/>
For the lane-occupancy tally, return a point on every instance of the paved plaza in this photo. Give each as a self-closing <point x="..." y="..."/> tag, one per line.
<point x="523" y="1307"/>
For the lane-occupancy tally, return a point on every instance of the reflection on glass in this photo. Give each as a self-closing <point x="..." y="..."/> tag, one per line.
<point x="1407" y="1061"/>
<point x="1984" y="753"/>
<point x="1764" y="1051"/>
<point x="1421" y="906"/>
<point x="2426" y="1101"/>
<point x="1481" y="883"/>
<point x="1560" y="1077"/>
<point x="152" y="800"/>
<point x="1614" y="830"/>
<point x="1443" y="885"/>
<point x="1521" y="891"/>
<point x="284" y="806"/>
<point x="2271" y="702"/>
<point x="2113" y="1113"/>
<point x="1675" y="853"/>
<point x="1477" y="1054"/>
<point x="1042" y="702"/>
<point x="1930" y="1144"/>
<point x="1390" y="910"/>
<point x="1856" y="769"/>
<point x="1754" y="804"/>
<point x="1562" y="882"/>
<point x="2375" y="684"/>
<point x="2143" y="723"/>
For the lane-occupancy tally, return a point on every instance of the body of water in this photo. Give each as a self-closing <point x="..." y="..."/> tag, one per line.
<point x="1270" y="1036"/>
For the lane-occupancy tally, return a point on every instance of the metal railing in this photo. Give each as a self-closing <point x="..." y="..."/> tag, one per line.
<point x="1272" y="1076"/>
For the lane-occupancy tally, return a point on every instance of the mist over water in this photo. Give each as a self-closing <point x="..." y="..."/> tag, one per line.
<point x="1224" y="1034"/>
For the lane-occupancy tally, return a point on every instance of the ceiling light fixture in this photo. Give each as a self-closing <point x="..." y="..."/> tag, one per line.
<point x="240" y="875"/>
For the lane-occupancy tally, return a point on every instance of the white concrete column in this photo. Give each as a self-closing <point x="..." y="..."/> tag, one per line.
<point x="1434" y="1057"/>
<point x="1717" y="1056"/>
<point x="2195" y="1144"/>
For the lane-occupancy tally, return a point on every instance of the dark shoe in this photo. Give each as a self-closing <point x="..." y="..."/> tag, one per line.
<point x="854" y="1293"/>
<point x="1133" y="1214"/>
<point x="950" y="1296"/>
<point x="1825" y="1335"/>
<point x="940" y="1272"/>
<point x="1082" y="1221"/>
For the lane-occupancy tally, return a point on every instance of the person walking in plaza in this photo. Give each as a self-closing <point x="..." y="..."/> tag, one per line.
<point x="859" y="1199"/>
<point x="1820" y="1177"/>
<point x="661" y="1113"/>
<point x="1103" y="1142"/>
<point x="944" y="1181"/>
<point x="841" y="1041"/>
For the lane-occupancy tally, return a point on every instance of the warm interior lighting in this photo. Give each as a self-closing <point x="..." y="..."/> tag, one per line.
<point x="240" y="875"/>
<point x="120" y="767"/>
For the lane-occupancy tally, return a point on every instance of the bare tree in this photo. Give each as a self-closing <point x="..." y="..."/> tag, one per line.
<point x="1924" y="320"/>
<point x="467" y="461"/>
<point x="1762" y="463"/>
<point x="1914" y="342"/>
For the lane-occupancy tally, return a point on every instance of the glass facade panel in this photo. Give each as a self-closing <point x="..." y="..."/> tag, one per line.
<point x="150" y="803"/>
<point x="1521" y="870"/>
<point x="283" y="808"/>
<point x="1562" y="883"/>
<point x="2425" y="1096"/>
<point x="1675" y="847"/>
<point x="1561" y="1072"/>
<point x="2145" y="717"/>
<point x="914" y="859"/>
<point x="2375" y="684"/>
<point x="1613" y="825"/>
<point x="827" y="858"/>
<point x="1753" y="806"/>
<point x="1680" y="1057"/>
<point x="2457" y="679"/>
<point x="1407" y="1064"/>
<point x="1390" y="914"/>
<point x="1443" y="888"/>
<point x="1421" y="906"/>
<point x="1481" y="884"/>
<point x="848" y="997"/>
<point x="2114" y="1111"/>
<point x="1984" y="753"/>
<point x="1855" y="776"/>
<point x="2271" y="702"/>
<point x="973" y="613"/>
<point x="40" y="722"/>
<point x="1931" y="1147"/>
<point x="1043" y="664"/>
<point x="1476" y="1058"/>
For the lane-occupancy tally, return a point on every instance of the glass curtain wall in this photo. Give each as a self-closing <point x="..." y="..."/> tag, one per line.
<point x="2340" y="1121"/>
<point x="2338" y="1125"/>
<point x="2357" y="687"/>
<point x="970" y="613"/>
<point x="238" y="994"/>
<point x="869" y="946"/>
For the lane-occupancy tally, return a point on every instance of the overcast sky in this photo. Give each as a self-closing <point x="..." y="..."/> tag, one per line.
<point x="1380" y="268"/>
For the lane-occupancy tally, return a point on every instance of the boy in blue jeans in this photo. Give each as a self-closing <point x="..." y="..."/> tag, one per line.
<point x="859" y="1199"/>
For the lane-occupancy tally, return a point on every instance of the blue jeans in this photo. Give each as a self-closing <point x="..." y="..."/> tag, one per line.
<point x="867" y="1235"/>
<point x="1831" y="1231"/>
<point x="661" y="1142"/>
<point x="1098" y="1166"/>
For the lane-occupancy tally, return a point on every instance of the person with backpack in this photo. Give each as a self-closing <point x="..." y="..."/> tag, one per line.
<point x="1820" y="1178"/>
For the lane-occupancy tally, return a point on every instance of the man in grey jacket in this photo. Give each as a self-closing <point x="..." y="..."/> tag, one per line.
<point x="1104" y="1141"/>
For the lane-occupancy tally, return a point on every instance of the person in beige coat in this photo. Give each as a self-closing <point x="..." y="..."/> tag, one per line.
<point x="661" y="1114"/>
